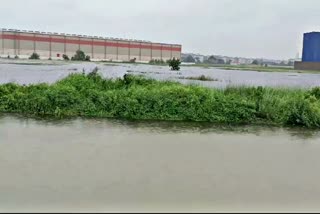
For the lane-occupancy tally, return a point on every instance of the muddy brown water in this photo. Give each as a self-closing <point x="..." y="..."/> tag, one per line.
<point x="110" y="165"/>
<point x="89" y="165"/>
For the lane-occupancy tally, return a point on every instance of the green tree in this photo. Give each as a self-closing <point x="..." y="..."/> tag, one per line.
<point x="213" y="60"/>
<point x="175" y="64"/>
<point x="255" y="62"/>
<point x="190" y="59"/>
<point x="198" y="60"/>
<point x="79" y="56"/>
<point x="221" y="61"/>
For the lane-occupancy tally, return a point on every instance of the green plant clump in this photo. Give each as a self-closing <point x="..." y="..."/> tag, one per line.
<point x="134" y="97"/>
<point x="80" y="56"/>
<point x="88" y="58"/>
<point x="65" y="57"/>
<point x="34" y="56"/>
<point x="174" y="64"/>
<point x="157" y="62"/>
<point x="201" y="78"/>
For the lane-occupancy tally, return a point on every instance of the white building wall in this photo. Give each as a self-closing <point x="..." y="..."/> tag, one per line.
<point x="54" y="45"/>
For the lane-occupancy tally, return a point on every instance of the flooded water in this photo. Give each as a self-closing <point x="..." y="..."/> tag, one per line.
<point x="26" y="74"/>
<point x="92" y="165"/>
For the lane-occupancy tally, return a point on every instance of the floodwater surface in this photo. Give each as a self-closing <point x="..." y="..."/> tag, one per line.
<point x="24" y="73"/>
<point x="88" y="165"/>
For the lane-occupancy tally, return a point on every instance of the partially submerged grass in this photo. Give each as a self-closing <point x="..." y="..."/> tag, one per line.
<point x="201" y="78"/>
<point x="138" y="98"/>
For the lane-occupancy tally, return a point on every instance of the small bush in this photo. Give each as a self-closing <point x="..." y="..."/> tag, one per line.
<point x="79" y="56"/>
<point x="16" y="57"/>
<point x="8" y="57"/>
<point x="133" y="60"/>
<point x="315" y="92"/>
<point x="34" y="56"/>
<point x="175" y="64"/>
<point x="88" y="58"/>
<point x="157" y="62"/>
<point x="65" y="57"/>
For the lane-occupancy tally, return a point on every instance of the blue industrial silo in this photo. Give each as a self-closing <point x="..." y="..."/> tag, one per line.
<point x="311" y="47"/>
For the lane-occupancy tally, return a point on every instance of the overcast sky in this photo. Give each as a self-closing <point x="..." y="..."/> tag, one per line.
<point x="244" y="28"/>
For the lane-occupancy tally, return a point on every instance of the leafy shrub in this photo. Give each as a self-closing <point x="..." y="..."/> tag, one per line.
<point x="157" y="62"/>
<point x="315" y="92"/>
<point x="175" y="64"/>
<point x="65" y="57"/>
<point x="133" y="60"/>
<point x="16" y="57"/>
<point x="87" y="58"/>
<point x="35" y="56"/>
<point x="79" y="56"/>
<point x="305" y="112"/>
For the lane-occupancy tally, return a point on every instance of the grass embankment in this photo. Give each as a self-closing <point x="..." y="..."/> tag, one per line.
<point x="143" y="99"/>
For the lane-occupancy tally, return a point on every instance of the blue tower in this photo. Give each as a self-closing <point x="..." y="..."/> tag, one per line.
<point x="311" y="47"/>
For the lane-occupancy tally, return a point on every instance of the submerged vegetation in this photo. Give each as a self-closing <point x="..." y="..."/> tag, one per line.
<point x="201" y="78"/>
<point x="135" y="97"/>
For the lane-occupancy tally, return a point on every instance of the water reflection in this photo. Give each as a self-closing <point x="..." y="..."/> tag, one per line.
<point x="116" y="165"/>
<point x="162" y="127"/>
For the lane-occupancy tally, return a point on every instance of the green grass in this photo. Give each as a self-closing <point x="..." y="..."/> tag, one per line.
<point x="200" y="78"/>
<point x="137" y="98"/>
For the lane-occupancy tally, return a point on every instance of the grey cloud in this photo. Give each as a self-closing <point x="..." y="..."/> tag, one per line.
<point x="260" y="28"/>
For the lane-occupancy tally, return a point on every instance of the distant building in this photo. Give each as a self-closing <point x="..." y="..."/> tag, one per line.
<point x="311" y="52"/>
<point x="22" y="43"/>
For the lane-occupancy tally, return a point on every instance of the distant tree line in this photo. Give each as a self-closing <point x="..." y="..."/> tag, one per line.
<point x="211" y="60"/>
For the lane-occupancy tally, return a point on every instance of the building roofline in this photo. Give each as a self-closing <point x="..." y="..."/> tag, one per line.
<point x="83" y="36"/>
<point x="313" y="32"/>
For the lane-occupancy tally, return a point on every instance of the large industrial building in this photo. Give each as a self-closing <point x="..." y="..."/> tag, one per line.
<point x="311" y="52"/>
<point x="23" y="43"/>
